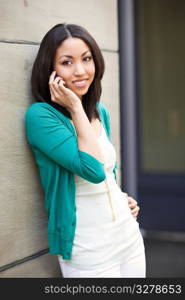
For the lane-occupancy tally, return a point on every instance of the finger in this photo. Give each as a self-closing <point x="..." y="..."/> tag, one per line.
<point x="57" y="79"/>
<point x="58" y="84"/>
<point x="137" y="208"/>
<point x="55" y="85"/>
<point x="135" y="211"/>
<point x="52" y="77"/>
<point x="54" y="94"/>
<point x="130" y="199"/>
<point x="54" y="82"/>
<point x="52" y="91"/>
<point x="132" y="203"/>
<point x="132" y="207"/>
<point x="61" y="85"/>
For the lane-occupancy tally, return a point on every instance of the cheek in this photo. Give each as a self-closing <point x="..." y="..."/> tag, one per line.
<point x="64" y="73"/>
<point x="91" y="71"/>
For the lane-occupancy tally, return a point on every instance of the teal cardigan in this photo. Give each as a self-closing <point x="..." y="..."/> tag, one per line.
<point x="53" y="140"/>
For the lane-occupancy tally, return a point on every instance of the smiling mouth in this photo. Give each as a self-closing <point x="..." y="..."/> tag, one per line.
<point x="80" y="83"/>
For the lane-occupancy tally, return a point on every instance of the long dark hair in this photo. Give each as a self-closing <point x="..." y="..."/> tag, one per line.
<point x="43" y="67"/>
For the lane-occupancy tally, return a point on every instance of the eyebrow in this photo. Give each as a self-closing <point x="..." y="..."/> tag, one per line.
<point x="69" y="56"/>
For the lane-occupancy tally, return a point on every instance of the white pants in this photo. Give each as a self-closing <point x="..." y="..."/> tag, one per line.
<point x="135" y="267"/>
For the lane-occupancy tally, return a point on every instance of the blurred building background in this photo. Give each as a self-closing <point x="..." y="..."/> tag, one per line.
<point x="152" y="93"/>
<point x="142" y="42"/>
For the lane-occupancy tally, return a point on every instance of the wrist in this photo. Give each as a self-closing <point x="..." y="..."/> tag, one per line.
<point x="76" y="108"/>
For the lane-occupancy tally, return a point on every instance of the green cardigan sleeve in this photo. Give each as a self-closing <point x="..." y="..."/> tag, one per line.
<point x="48" y="134"/>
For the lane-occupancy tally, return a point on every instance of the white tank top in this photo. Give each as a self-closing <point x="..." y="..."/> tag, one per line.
<point x="93" y="201"/>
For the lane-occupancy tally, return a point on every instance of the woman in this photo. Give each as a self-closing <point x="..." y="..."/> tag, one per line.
<point x="91" y="226"/>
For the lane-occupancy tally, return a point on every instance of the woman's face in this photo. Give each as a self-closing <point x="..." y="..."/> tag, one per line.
<point x="74" y="63"/>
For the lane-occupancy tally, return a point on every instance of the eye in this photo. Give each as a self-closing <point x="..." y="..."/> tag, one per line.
<point x="66" y="63"/>
<point x="87" y="58"/>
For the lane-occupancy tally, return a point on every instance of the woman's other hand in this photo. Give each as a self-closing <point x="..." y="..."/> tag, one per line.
<point x="133" y="205"/>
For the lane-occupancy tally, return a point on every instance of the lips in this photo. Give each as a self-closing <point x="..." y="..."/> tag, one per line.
<point x="80" y="83"/>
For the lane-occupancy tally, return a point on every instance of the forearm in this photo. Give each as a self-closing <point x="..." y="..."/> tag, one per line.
<point x="87" y="139"/>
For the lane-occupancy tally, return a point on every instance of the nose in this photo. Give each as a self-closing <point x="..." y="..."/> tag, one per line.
<point x="79" y="69"/>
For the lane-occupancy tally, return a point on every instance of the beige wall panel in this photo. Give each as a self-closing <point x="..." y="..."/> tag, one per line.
<point x="30" y="20"/>
<point x="110" y="96"/>
<point x="22" y="220"/>
<point x="45" y="266"/>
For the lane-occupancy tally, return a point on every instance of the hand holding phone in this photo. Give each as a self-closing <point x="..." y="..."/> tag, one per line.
<point x="61" y="94"/>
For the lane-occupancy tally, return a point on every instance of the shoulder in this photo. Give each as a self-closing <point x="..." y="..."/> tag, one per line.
<point x="38" y="108"/>
<point x="43" y="110"/>
<point x="42" y="116"/>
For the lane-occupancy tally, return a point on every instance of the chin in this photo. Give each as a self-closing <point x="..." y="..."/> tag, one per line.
<point x="81" y="94"/>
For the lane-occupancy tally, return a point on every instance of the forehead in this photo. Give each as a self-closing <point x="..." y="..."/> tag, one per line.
<point x="72" y="46"/>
